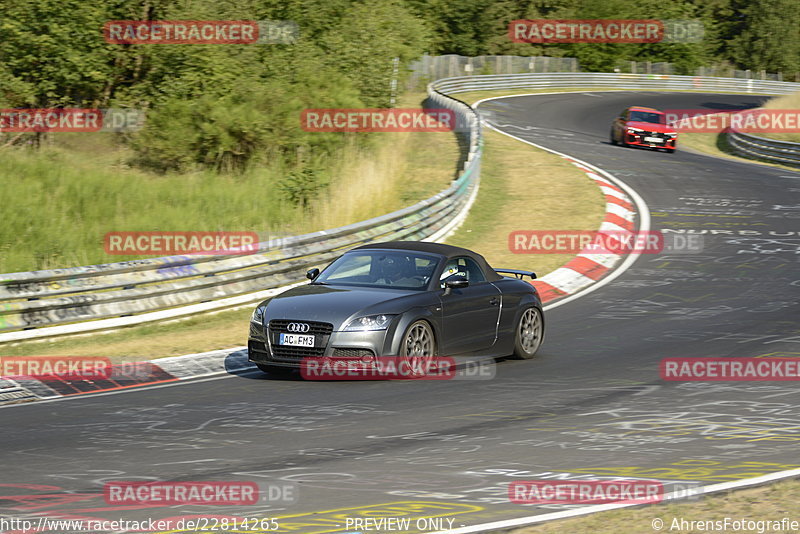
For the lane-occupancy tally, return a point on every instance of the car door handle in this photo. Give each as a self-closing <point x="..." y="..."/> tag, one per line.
<point x="494" y="301"/>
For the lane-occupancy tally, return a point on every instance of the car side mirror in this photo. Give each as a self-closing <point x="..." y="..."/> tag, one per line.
<point x="312" y="274"/>
<point x="455" y="282"/>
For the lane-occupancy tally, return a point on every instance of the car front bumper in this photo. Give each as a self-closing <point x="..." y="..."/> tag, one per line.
<point x="263" y="347"/>
<point x="638" y="139"/>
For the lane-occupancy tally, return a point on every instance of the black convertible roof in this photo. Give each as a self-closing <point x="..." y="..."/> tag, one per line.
<point x="448" y="251"/>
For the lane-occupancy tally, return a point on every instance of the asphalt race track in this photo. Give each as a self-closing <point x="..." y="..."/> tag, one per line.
<point x="591" y="404"/>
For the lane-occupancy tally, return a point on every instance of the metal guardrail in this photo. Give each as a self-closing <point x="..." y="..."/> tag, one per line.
<point x="619" y="81"/>
<point x="81" y="299"/>
<point x="773" y="150"/>
<point x="746" y="145"/>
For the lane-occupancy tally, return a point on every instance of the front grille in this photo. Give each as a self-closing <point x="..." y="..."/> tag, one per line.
<point x="314" y="327"/>
<point x="351" y="353"/>
<point x="257" y="351"/>
<point x="320" y="331"/>
<point x="283" y="352"/>
<point x="256" y="346"/>
<point x="654" y="134"/>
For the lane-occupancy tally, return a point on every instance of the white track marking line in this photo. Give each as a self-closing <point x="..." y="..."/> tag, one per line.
<point x="533" y="519"/>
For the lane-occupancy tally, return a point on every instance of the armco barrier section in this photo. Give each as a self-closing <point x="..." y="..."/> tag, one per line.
<point x="772" y="150"/>
<point x="83" y="299"/>
<point x="747" y="145"/>
<point x="622" y="82"/>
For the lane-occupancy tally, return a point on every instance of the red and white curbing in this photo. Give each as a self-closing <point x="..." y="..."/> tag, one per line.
<point x="586" y="269"/>
<point x="159" y="372"/>
<point x="582" y="274"/>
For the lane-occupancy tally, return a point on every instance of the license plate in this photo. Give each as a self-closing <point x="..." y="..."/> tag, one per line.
<point x="296" y="340"/>
<point x="653" y="139"/>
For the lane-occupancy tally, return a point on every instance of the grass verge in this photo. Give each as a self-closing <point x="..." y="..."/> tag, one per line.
<point x="766" y="503"/>
<point x="526" y="188"/>
<point x="205" y="332"/>
<point x="406" y="167"/>
<point x="67" y="195"/>
<point x="717" y="145"/>
<point x="403" y="169"/>
<point x="789" y="102"/>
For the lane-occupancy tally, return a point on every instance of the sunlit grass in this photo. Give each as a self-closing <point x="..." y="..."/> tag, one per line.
<point x="401" y="169"/>
<point x="786" y="102"/>
<point x="59" y="201"/>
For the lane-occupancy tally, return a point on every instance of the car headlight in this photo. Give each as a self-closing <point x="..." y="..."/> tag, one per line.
<point x="634" y="129"/>
<point x="258" y="315"/>
<point x="369" y="322"/>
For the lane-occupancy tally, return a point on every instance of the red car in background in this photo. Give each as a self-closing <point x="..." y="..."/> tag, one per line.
<point x="646" y="127"/>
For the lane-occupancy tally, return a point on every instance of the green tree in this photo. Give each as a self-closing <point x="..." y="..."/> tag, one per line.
<point x="768" y="36"/>
<point x="52" y="53"/>
<point x="461" y="27"/>
<point x="366" y="39"/>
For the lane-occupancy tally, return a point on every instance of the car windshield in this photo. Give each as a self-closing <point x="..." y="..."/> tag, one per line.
<point x="647" y="116"/>
<point x="385" y="269"/>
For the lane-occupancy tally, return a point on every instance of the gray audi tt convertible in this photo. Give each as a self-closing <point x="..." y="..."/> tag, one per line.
<point x="404" y="299"/>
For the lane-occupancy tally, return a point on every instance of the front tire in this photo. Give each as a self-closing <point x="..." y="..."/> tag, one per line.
<point x="612" y="138"/>
<point x="417" y="350"/>
<point x="528" y="334"/>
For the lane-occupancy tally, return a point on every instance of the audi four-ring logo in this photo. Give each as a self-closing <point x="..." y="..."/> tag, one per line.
<point x="297" y="327"/>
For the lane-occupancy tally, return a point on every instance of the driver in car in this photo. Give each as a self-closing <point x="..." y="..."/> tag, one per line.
<point x="400" y="272"/>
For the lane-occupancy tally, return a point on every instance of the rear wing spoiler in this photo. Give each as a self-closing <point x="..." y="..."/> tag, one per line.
<point x="516" y="272"/>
